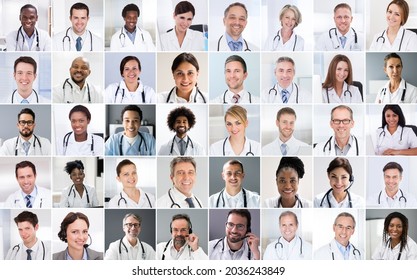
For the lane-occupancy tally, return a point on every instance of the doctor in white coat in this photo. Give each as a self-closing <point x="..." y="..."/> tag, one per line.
<point x="130" y="37"/>
<point x="342" y="37"/>
<point x="77" y="37"/>
<point x="340" y="248"/>
<point x="181" y="37"/>
<point x="29" y="195"/>
<point x="28" y="37"/>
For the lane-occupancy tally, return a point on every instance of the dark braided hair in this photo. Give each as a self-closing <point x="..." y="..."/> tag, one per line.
<point x="291" y="162"/>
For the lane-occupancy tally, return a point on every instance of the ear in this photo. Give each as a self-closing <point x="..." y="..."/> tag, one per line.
<point x="36" y="227"/>
<point x="118" y="179"/>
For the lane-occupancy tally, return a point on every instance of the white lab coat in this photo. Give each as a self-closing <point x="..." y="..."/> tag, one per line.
<point x="64" y="93"/>
<point x="17" y="199"/>
<point x="386" y="96"/>
<point x="193" y="41"/>
<point x="330" y="95"/>
<point x="330" y="251"/>
<point x="327" y="148"/>
<point x="227" y="98"/>
<point x="296" y="249"/>
<point x="15" y="98"/>
<point x="272" y="202"/>
<point x="382" y="200"/>
<point x="223" y="200"/>
<point x="224" y="148"/>
<point x="275" y="42"/>
<point x="297" y="95"/>
<point x="192" y="149"/>
<point x="384" y="251"/>
<point x="294" y="147"/>
<point x="408" y="43"/>
<point x="122" y="43"/>
<point x="220" y="250"/>
<point x="71" y="198"/>
<point x="357" y="201"/>
<point x="119" y="93"/>
<point x="122" y="200"/>
<point x="41" y="250"/>
<point x="171" y="96"/>
<point x="177" y="200"/>
<point x="44" y="41"/>
<point x="221" y="45"/>
<point x="79" y="148"/>
<point x="325" y="43"/>
<point x="128" y="252"/>
<point x="145" y="147"/>
<point x="41" y="148"/>
<point x="185" y="252"/>
<point x="90" y="42"/>
<point x="384" y="139"/>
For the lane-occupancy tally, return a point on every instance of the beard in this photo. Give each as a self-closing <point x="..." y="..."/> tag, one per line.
<point x="179" y="240"/>
<point x="26" y="133"/>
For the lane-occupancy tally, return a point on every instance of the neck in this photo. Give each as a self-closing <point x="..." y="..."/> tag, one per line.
<point x="187" y="194"/>
<point x="24" y="93"/>
<point x="180" y="33"/>
<point x="392" y="129"/>
<point x="79" y="188"/>
<point x="236" y="90"/>
<point x="235" y="246"/>
<point x="181" y="135"/>
<point x="25" y="138"/>
<point x="132" y="86"/>
<point x="394" y="84"/>
<point x="341" y="33"/>
<point x="130" y="30"/>
<point x="395" y="242"/>
<point x="80" y="137"/>
<point x="185" y="95"/>
<point x="233" y="190"/>
<point x="29" y="32"/>
<point x="342" y="142"/>
<point x="31" y="243"/>
<point x="338" y="87"/>
<point x="76" y="254"/>
<point x="393" y="30"/>
<point x="132" y="240"/>
<point x="339" y="196"/>
<point x="290" y="239"/>
<point x="177" y="245"/>
<point x="130" y="191"/>
<point x="288" y="202"/>
<point x="80" y="83"/>
<point x="391" y="193"/>
<point x="78" y="33"/>
<point x="283" y="138"/>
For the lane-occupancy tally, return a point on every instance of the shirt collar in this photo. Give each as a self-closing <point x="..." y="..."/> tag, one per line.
<point x="68" y="257"/>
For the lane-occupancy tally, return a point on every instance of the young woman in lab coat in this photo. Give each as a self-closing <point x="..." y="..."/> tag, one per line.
<point x="396" y="244"/>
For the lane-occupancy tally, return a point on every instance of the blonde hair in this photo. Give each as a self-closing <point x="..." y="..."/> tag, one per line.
<point x="295" y="10"/>
<point x="237" y="112"/>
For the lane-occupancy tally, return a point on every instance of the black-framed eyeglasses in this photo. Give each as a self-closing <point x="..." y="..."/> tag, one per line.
<point x="135" y="225"/>
<point x="231" y="225"/>
<point x="28" y="123"/>
<point x="345" y="121"/>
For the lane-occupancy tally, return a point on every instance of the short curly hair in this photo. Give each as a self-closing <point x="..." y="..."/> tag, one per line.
<point x="178" y="112"/>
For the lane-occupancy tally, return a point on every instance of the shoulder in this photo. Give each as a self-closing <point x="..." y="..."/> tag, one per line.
<point x="214" y="242"/>
<point x="59" y="255"/>
<point x="94" y="255"/>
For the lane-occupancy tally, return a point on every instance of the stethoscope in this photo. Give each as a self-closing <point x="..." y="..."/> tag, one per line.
<point x="344" y="93"/>
<point x="383" y="38"/>
<point x="326" y="197"/>
<point x="123" y="93"/>
<point x="275" y="45"/>
<point x="195" y="97"/>
<point x="387" y="244"/>
<point x="224" y="97"/>
<point x="250" y="153"/>
<point x="17" y="248"/>
<point x="73" y="190"/>
<point x="34" y="143"/>
<point x="140" y="143"/>
<point x="245" y="202"/>
<point x="166" y="246"/>
<point x="125" y="201"/>
<point x="36" y="94"/>
<point x="72" y="88"/>
<point x="189" y="141"/>
<point x="19" y="32"/>
<point x="222" y="239"/>
<point x="280" y="255"/>
<point x="355" y="250"/>
<point x="330" y="145"/>
<point x="17" y="200"/>
<point x="127" y="251"/>
<point x="384" y="92"/>
<point x="122" y="37"/>
<point x="335" y="33"/>
<point x="176" y="205"/>
<point x="399" y="199"/>
<point x="276" y="92"/>
<point x="246" y="44"/>
<point x="69" y="40"/>
<point x="66" y="139"/>
<point x="380" y="140"/>
<point x="297" y="200"/>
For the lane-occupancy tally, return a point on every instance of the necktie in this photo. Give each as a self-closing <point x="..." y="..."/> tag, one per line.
<point x="78" y="44"/>
<point x="29" y="257"/>
<point x="28" y="203"/>
<point x="235" y="98"/>
<point x="26" y="146"/>
<point x="236" y="46"/>
<point x="190" y="202"/>
<point x="24" y="101"/>
<point x="284" y="149"/>
<point x="285" y="94"/>
<point x="343" y="41"/>
<point x="182" y="147"/>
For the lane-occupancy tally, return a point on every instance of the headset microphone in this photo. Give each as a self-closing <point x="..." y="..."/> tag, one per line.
<point x="91" y="241"/>
<point x="351" y="180"/>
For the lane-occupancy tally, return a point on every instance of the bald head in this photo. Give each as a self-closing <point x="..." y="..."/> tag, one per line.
<point x="80" y="70"/>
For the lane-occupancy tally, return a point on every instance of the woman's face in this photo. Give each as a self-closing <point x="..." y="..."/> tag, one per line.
<point x="394" y="16"/>
<point x="288" y="20"/>
<point x="77" y="176"/>
<point x="395" y="229"/>
<point x="77" y="234"/>
<point x="342" y="71"/>
<point x="235" y="127"/>
<point x="128" y="176"/>
<point x="79" y="123"/>
<point x="287" y="183"/>
<point x="393" y="69"/>
<point x="339" y="180"/>
<point x="391" y="118"/>
<point x="131" y="72"/>
<point x="185" y="76"/>
<point x="183" y="21"/>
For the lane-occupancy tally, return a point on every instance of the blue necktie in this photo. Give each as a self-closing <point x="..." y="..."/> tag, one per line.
<point x="78" y="44"/>
<point x="29" y="257"/>
<point x="190" y="202"/>
<point x="26" y="146"/>
<point x="284" y="149"/>
<point x="28" y="203"/>
<point x="182" y="147"/>
<point x="285" y="94"/>
<point x="343" y="41"/>
<point x="24" y="101"/>
<point x="237" y="45"/>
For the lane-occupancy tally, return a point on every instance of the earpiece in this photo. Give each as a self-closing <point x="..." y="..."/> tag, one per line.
<point x="91" y="241"/>
<point x="351" y="178"/>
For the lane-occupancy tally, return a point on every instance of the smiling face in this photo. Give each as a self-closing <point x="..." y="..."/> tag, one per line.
<point x="233" y="176"/>
<point x="236" y="228"/>
<point x="26" y="179"/>
<point x="183" y="21"/>
<point x="287" y="183"/>
<point x="184" y="177"/>
<point x="132" y="227"/>
<point x="26" y="125"/>
<point x="394" y="16"/>
<point x="288" y="227"/>
<point x="288" y="20"/>
<point x="342" y="71"/>
<point x="185" y="77"/>
<point x="392" y="180"/>
<point x="27" y="232"/>
<point x="181" y="126"/>
<point x="179" y="232"/>
<point x="79" y="20"/>
<point x="131" y="72"/>
<point x="235" y="127"/>
<point x="339" y="180"/>
<point x="341" y="130"/>
<point x="395" y="229"/>
<point x="284" y="73"/>
<point x="393" y="69"/>
<point x="343" y="19"/>
<point x="235" y="21"/>
<point x="25" y="76"/>
<point x="128" y="176"/>
<point x="80" y="70"/>
<point x="79" y="123"/>
<point x="344" y="228"/>
<point x="131" y="19"/>
<point x="77" y="176"/>
<point x="286" y="125"/>
<point x="235" y="76"/>
<point x="131" y="123"/>
<point x="392" y="119"/>
<point x="77" y="234"/>
<point x="28" y="18"/>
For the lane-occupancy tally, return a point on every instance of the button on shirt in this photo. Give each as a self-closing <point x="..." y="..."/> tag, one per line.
<point x="345" y="150"/>
<point x="344" y="250"/>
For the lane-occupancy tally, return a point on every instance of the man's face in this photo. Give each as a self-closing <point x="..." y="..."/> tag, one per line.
<point x="235" y="21"/>
<point x="341" y="130"/>
<point x="28" y="18"/>
<point x="131" y="19"/>
<point x="286" y="125"/>
<point x="236" y="228"/>
<point x="27" y="232"/>
<point x="184" y="177"/>
<point x="235" y="75"/>
<point x="26" y="179"/>
<point x="79" y="20"/>
<point x="80" y="70"/>
<point x="180" y="232"/>
<point x="288" y="227"/>
<point x="343" y="229"/>
<point x="132" y="227"/>
<point x="233" y="176"/>
<point x="26" y="125"/>
<point x="342" y="19"/>
<point x="25" y="76"/>
<point x="181" y="125"/>
<point x="392" y="179"/>
<point x="131" y="123"/>
<point x="284" y="72"/>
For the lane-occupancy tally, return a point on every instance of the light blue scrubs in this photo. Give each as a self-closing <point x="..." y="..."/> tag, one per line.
<point x="143" y="146"/>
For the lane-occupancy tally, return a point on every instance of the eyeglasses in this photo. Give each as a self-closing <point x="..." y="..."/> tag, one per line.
<point x="345" y="121"/>
<point x="231" y="225"/>
<point x="129" y="225"/>
<point x="341" y="227"/>
<point x="28" y="123"/>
